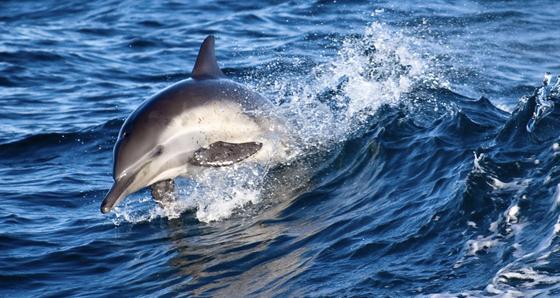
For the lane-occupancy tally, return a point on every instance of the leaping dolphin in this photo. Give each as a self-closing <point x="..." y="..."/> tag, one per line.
<point x="206" y="121"/>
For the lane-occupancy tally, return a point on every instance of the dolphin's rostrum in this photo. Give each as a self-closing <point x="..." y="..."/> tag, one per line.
<point x="206" y="121"/>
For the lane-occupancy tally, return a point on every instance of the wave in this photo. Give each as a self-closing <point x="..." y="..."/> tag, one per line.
<point x="47" y="141"/>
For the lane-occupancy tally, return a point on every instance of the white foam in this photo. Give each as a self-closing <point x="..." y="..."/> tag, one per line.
<point x="477" y="167"/>
<point x="556" y="197"/>
<point x="526" y="280"/>
<point x="512" y="214"/>
<point x="472" y="224"/>
<point x="481" y="244"/>
<point x="557" y="224"/>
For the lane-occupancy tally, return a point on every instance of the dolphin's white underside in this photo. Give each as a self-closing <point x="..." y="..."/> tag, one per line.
<point x="201" y="126"/>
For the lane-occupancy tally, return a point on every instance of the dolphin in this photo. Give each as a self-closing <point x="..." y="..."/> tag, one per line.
<point x="201" y="122"/>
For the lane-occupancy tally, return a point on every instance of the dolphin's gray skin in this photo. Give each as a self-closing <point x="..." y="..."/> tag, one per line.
<point x="206" y="121"/>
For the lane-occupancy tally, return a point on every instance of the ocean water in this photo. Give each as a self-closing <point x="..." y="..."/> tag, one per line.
<point x="428" y="158"/>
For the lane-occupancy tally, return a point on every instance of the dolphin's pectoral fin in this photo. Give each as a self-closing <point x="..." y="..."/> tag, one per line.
<point x="163" y="191"/>
<point x="224" y="154"/>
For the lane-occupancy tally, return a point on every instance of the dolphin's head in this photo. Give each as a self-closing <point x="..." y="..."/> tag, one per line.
<point x="134" y="157"/>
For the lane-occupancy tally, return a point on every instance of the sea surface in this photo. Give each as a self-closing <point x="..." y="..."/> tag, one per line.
<point x="428" y="150"/>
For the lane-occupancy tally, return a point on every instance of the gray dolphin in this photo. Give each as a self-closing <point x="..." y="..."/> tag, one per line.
<point x="206" y="121"/>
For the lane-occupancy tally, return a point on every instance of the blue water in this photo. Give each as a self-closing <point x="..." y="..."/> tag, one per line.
<point x="418" y="173"/>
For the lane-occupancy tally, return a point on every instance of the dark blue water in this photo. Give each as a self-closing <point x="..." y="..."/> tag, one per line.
<point x="421" y="170"/>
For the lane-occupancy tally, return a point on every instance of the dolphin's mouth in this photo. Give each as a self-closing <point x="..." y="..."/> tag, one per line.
<point x="117" y="192"/>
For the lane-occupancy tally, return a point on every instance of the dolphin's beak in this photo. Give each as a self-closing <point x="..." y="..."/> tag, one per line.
<point x="118" y="191"/>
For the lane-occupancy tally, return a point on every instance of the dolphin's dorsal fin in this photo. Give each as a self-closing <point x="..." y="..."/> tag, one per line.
<point x="206" y="66"/>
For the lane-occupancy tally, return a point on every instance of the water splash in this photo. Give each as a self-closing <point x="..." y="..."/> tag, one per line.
<point x="338" y="98"/>
<point x="545" y="98"/>
<point x="215" y="194"/>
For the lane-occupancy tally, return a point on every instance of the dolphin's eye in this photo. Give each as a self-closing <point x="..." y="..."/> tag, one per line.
<point x="158" y="150"/>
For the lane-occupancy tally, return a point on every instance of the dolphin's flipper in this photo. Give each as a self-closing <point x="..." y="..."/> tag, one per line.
<point x="163" y="191"/>
<point x="224" y="154"/>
